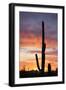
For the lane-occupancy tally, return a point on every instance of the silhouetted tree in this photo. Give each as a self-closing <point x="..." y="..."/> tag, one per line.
<point x="24" y="68"/>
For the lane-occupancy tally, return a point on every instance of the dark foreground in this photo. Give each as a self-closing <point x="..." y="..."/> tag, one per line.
<point x="25" y="74"/>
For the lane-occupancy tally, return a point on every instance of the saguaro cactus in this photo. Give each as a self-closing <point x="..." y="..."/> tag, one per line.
<point x="43" y="52"/>
<point x="43" y="49"/>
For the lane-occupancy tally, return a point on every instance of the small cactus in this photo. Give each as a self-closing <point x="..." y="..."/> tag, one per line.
<point x="49" y="68"/>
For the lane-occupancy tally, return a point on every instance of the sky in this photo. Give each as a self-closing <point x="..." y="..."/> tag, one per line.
<point x="31" y="39"/>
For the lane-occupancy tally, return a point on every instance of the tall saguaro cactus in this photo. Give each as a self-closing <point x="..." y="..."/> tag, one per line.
<point x="43" y="53"/>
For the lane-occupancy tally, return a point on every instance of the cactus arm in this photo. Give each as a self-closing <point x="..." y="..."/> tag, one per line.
<point x="37" y="62"/>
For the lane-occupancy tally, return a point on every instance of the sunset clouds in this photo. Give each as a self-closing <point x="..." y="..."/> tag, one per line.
<point x="31" y="39"/>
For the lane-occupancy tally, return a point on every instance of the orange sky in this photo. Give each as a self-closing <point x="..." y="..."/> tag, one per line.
<point x="31" y="39"/>
<point x="30" y="46"/>
<point x="34" y="41"/>
<point x="31" y="65"/>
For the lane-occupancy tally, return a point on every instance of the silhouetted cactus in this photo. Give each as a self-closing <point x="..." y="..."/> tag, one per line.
<point x="49" y="68"/>
<point x="37" y="62"/>
<point x="57" y="70"/>
<point x="43" y="53"/>
<point x="43" y="50"/>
